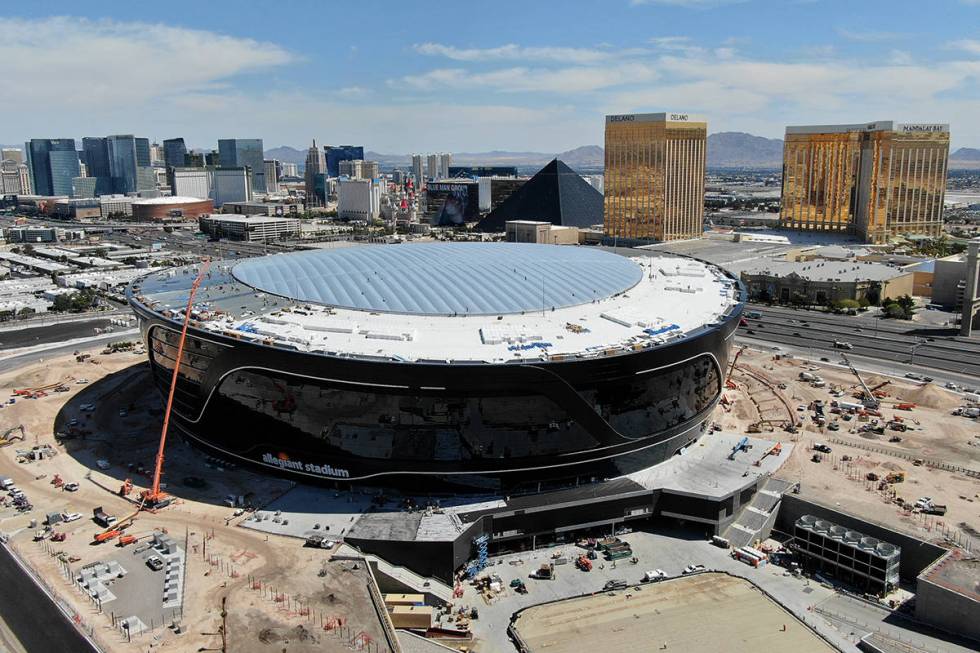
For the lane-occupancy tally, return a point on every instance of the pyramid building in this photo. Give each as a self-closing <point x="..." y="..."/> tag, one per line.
<point x="556" y="194"/>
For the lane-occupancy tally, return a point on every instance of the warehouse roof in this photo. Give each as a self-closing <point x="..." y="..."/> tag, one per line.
<point x="444" y="278"/>
<point x="844" y="271"/>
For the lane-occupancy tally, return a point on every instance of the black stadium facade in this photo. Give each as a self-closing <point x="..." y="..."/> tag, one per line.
<point x="463" y="365"/>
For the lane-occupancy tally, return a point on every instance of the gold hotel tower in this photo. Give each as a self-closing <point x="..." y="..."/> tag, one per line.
<point x="654" y="176"/>
<point x="875" y="180"/>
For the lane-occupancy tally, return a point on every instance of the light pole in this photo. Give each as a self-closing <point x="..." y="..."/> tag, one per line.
<point x="918" y="343"/>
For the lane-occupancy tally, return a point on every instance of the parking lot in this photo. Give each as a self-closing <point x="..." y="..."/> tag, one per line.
<point x="697" y="614"/>
<point x="670" y="549"/>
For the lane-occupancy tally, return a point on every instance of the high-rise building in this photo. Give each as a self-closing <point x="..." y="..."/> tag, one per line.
<point x="289" y="170"/>
<point x="53" y="163"/>
<point x="334" y="154"/>
<point x="144" y="157"/>
<point x="232" y="185"/>
<point x="444" y="162"/>
<point x="873" y="180"/>
<point x="96" y="151"/>
<point x="358" y="169"/>
<point x="417" y="171"/>
<point x="432" y="166"/>
<point x="174" y="153"/>
<point x="244" y="152"/>
<point x="192" y="182"/>
<point x="654" y="176"/>
<point x="122" y="158"/>
<point x="14" y="177"/>
<point x="315" y="165"/>
<point x="156" y="155"/>
<point x="14" y="154"/>
<point x="271" y="175"/>
<point x="358" y="199"/>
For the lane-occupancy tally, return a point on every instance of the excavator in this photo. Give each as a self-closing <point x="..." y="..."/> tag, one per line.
<point x="7" y="438"/>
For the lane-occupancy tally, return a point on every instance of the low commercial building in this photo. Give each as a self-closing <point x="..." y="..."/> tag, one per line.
<point x="116" y="206"/>
<point x="532" y="231"/>
<point x="824" y="282"/>
<point x="250" y="228"/>
<point x="846" y="555"/>
<point x="88" y="208"/>
<point x="948" y="594"/>
<point x="41" y="234"/>
<point x="274" y="209"/>
<point x="949" y="281"/>
<point x="158" y="209"/>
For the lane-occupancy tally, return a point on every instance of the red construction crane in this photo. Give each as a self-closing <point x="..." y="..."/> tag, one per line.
<point x="154" y="497"/>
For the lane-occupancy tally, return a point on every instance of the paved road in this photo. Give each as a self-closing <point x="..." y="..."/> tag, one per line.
<point x="19" y="360"/>
<point x="33" y="618"/>
<point x="50" y="333"/>
<point x="904" y="345"/>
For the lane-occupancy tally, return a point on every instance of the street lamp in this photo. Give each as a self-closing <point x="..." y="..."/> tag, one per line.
<point x="918" y="343"/>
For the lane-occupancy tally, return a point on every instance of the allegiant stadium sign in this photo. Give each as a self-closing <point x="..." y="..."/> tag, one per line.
<point x="285" y="462"/>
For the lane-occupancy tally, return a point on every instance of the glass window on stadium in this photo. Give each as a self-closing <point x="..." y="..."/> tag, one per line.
<point x="652" y="402"/>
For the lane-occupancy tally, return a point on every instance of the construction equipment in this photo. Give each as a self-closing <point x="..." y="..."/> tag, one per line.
<point x="7" y="438"/>
<point x="895" y="477"/>
<point x="57" y="481"/>
<point x="153" y="497"/>
<point x="115" y="529"/>
<point x="905" y="406"/>
<point x="869" y="399"/>
<point x="774" y="451"/>
<point x="743" y="445"/>
<point x="731" y="368"/>
<point x="43" y="390"/>
<point x="126" y="488"/>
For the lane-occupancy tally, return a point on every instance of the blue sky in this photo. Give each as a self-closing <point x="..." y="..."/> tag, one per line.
<point x="417" y="76"/>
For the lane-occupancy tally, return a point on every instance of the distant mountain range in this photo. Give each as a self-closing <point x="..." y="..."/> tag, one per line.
<point x="725" y="150"/>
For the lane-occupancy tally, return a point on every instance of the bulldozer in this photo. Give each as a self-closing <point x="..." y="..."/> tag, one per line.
<point x="7" y="438"/>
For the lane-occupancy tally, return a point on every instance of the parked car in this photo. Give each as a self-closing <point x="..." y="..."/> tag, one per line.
<point x="70" y="516"/>
<point x="155" y="563"/>
<point x="692" y="569"/>
<point x="71" y="487"/>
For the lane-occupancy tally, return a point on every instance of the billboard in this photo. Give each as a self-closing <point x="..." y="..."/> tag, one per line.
<point x="453" y="203"/>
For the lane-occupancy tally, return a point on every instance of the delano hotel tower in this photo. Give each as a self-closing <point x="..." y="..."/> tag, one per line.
<point x="654" y="178"/>
<point x="874" y="180"/>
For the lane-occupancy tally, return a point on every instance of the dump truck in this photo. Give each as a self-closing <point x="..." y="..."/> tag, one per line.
<point x="583" y="563"/>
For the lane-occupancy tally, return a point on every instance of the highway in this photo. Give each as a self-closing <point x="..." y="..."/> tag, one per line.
<point x="901" y="345"/>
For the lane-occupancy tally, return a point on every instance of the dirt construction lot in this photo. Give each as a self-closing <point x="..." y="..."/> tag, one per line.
<point x="279" y="595"/>
<point x="703" y="613"/>
<point x="840" y="479"/>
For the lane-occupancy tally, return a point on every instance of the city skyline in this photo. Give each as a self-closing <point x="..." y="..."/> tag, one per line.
<point x="203" y="73"/>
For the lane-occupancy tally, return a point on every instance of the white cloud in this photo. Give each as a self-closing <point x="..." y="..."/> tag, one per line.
<point x="100" y="64"/>
<point x="512" y="52"/>
<point x="574" y="79"/>
<point x="967" y="45"/>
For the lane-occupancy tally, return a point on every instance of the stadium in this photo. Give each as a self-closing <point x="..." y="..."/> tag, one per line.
<point x="490" y="366"/>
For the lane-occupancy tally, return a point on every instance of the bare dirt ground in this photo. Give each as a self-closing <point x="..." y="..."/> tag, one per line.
<point x="260" y="576"/>
<point x="934" y="434"/>
<point x="707" y="612"/>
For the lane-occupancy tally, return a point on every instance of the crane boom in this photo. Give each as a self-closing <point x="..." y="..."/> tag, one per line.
<point x="869" y="397"/>
<point x="153" y="497"/>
